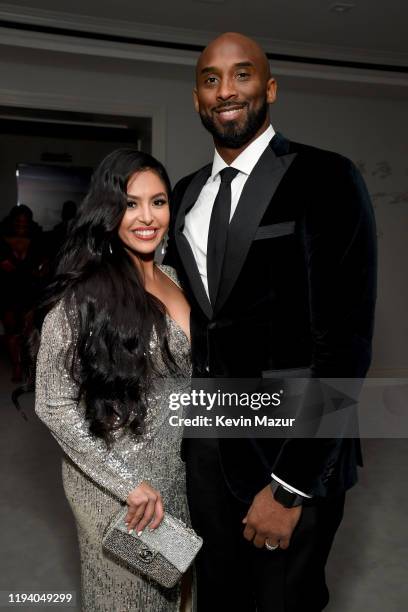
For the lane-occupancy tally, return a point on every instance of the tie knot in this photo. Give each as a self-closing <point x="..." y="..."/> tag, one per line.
<point x="228" y="174"/>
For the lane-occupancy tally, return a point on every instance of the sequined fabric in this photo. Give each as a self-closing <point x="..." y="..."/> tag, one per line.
<point x="164" y="554"/>
<point x="97" y="481"/>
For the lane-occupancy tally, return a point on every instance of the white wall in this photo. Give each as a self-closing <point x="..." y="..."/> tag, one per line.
<point x="365" y="124"/>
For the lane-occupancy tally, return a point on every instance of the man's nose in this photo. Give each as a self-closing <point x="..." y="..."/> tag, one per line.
<point x="226" y="89"/>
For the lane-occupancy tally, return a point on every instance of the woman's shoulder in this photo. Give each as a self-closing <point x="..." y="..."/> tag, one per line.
<point x="55" y="314"/>
<point x="170" y="272"/>
<point x="59" y="319"/>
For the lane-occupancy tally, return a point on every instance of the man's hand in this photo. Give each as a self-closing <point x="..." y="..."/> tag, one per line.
<point x="268" y="520"/>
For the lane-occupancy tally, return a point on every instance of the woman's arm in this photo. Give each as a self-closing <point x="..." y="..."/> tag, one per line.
<point x="57" y="406"/>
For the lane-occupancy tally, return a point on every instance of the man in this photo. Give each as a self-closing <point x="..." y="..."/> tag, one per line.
<point x="274" y="243"/>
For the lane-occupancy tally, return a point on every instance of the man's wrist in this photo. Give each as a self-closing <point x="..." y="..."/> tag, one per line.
<point x="289" y="487"/>
<point x="283" y="496"/>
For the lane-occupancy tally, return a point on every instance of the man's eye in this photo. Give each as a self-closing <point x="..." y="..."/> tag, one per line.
<point x="243" y="75"/>
<point x="211" y="80"/>
<point x="160" y="202"/>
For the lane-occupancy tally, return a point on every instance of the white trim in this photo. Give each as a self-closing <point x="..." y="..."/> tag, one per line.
<point x="96" y="48"/>
<point x="103" y="106"/>
<point x="289" y="487"/>
<point x="87" y="23"/>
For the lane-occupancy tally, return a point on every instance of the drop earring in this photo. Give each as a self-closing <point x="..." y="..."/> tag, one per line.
<point x="164" y="244"/>
<point x="110" y="249"/>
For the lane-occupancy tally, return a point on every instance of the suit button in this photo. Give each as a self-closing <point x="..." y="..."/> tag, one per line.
<point x="212" y="325"/>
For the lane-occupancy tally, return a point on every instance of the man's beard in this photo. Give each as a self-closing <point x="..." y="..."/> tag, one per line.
<point x="232" y="136"/>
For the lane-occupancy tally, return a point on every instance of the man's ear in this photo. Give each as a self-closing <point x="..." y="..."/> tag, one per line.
<point x="195" y="99"/>
<point x="271" y="88"/>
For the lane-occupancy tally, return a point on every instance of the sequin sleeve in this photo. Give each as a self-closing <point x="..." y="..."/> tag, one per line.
<point x="57" y="406"/>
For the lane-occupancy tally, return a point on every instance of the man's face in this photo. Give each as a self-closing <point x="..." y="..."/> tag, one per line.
<point x="233" y="93"/>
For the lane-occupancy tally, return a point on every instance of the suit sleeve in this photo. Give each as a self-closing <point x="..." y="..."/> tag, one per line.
<point x="339" y="241"/>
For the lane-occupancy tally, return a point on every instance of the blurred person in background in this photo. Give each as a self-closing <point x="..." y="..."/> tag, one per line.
<point x="60" y="231"/>
<point x="23" y="268"/>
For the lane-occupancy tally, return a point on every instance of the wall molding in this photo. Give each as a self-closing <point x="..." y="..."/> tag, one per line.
<point x="103" y="106"/>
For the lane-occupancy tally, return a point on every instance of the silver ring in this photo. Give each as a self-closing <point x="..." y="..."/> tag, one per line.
<point x="269" y="546"/>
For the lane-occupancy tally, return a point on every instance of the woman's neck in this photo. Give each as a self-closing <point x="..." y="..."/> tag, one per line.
<point x="146" y="267"/>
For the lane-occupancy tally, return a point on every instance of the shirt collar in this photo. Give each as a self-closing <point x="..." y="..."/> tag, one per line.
<point x="246" y="160"/>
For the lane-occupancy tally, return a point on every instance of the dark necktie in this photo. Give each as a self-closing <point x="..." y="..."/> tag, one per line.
<point x="218" y="232"/>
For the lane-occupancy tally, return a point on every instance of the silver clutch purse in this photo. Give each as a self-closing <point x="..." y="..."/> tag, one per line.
<point x="164" y="554"/>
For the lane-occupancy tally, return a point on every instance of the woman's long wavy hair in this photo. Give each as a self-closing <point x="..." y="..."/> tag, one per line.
<point x="114" y="314"/>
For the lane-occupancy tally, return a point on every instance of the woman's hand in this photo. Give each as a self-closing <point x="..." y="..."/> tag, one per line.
<point x="144" y="504"/>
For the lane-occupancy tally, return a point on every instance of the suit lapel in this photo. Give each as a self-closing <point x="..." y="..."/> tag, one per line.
<point x="256" y="196"/>
<point x="189" y="199"/>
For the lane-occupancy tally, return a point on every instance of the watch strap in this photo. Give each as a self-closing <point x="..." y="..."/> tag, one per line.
<point x="285" y="497"/>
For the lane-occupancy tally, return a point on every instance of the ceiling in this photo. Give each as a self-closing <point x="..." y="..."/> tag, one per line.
<point x="378" y="26"/>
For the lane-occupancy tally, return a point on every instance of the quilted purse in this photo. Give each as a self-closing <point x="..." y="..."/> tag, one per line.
<point x="163" y="554"/>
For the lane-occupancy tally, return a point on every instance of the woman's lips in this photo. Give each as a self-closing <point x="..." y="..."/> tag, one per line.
<point x="145" y="233"/>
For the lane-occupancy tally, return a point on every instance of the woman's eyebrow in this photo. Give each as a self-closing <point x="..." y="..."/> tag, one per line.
<point x="156" y="195"/>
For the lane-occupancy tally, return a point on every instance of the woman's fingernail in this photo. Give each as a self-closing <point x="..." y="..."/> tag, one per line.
<point x="139" y="533"/>
<point x="130" y="531"/>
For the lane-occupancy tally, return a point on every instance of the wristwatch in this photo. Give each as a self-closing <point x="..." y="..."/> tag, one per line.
<point x="285" y="497"/>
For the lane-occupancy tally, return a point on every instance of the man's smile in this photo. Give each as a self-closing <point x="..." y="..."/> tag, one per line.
<point x="230" y="112"/>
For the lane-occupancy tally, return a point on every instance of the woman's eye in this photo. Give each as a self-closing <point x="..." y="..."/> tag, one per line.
<point x="131" y="204"/>
<point x="160" y="202"/>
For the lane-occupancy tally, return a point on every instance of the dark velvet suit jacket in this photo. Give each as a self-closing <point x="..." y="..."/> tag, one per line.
<point x="297" y="293"/>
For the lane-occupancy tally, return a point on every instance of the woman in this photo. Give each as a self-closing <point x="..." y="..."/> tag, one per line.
<point x="114" y="346"/>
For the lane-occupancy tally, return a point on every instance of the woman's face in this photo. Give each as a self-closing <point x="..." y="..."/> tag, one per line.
<point x="147" y="215"/>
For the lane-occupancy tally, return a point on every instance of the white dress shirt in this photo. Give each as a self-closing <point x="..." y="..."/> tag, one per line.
<point x="197" y="221"/>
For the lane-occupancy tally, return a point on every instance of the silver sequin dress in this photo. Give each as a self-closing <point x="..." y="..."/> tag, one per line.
<point x="97" y="481"/>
